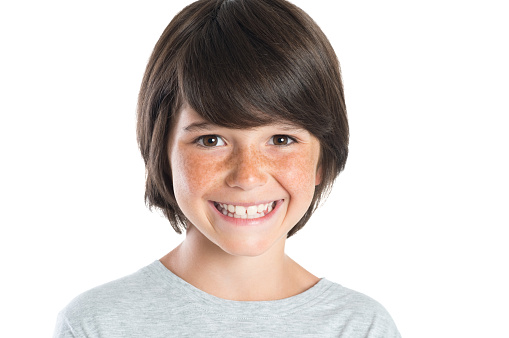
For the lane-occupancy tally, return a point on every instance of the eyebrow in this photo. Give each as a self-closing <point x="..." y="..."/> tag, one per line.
<point x="200" y="126"/>
<point x="289" y="127"/>
<point x="197" y="126"/>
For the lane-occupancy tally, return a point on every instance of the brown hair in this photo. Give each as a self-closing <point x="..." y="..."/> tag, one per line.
<point x="241" y="64"/>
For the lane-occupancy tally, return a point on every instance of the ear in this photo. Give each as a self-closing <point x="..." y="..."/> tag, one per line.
<point x="318" y="178"/>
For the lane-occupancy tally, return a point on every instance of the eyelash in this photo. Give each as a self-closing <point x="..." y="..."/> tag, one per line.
<point x="290" y="140"/>
<point x="200" y="140"/>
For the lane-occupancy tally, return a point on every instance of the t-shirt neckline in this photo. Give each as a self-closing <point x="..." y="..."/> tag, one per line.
<point x="208" y="302"/>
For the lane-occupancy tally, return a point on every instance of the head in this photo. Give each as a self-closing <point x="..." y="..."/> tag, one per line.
<point x="241" y="64"/>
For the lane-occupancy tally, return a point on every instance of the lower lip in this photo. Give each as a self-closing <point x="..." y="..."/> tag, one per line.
<point x="247" y="221"/>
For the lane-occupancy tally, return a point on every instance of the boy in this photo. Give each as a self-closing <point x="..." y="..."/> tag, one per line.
<point x="242" y="126"/>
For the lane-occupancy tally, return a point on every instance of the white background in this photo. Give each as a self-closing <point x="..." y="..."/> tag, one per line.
<point x="417" y="220"/>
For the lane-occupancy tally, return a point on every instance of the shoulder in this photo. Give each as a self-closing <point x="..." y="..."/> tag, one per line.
<point x="112" y="293"/>
<point x="109" y="304"/>
<point x="358" y="313"/>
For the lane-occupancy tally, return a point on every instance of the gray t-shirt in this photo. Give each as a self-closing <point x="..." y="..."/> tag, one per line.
<point x="154" y="302"/>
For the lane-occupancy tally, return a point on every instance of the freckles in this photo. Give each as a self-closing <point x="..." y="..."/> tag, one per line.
<point x="194" y="171"/>
<point x="297" y="171"/>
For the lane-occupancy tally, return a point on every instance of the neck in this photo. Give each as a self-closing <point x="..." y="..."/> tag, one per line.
<point x="269" y="276"/>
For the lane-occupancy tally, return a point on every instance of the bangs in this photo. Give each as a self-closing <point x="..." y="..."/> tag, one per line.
<point x="251" y="65"/>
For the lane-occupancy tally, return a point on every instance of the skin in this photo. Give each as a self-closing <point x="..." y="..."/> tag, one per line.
<point x="240" y="259"/>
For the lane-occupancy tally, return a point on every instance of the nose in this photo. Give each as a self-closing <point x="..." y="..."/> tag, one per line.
<point x="247" y="169"/>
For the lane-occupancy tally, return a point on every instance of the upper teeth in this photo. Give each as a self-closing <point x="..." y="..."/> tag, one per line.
<point x="242" y="211"/>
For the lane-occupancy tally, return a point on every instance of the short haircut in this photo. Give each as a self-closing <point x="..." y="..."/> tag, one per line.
<point x="241" y="64"/>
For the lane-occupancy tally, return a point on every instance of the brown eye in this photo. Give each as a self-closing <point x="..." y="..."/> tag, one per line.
<point x="210" y="141"/>
<point x="281" y="140"/>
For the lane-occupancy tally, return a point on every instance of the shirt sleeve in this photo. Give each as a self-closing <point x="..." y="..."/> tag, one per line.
<point x="63" y="329"/>
<point x="382" y="325"/>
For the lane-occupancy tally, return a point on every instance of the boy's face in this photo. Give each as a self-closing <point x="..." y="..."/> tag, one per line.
<point x="243" y="189"/>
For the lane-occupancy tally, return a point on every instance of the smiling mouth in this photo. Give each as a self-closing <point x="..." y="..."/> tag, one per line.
<point x="248" y="212"/>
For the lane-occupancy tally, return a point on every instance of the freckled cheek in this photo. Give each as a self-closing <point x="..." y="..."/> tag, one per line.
<point x="297" y="174"/>
<point x="192" y="172"/>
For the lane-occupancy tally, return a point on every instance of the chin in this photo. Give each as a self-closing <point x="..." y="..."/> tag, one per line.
<point x="246" y="248"/>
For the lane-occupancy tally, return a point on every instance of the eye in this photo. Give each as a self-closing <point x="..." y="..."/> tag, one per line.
<point x="281" y="140"/>
<point x="210" y="141"/>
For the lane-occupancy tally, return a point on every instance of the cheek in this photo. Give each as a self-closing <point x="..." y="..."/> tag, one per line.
<point x="192" y="172"/>
<point x="298" y="174"/>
